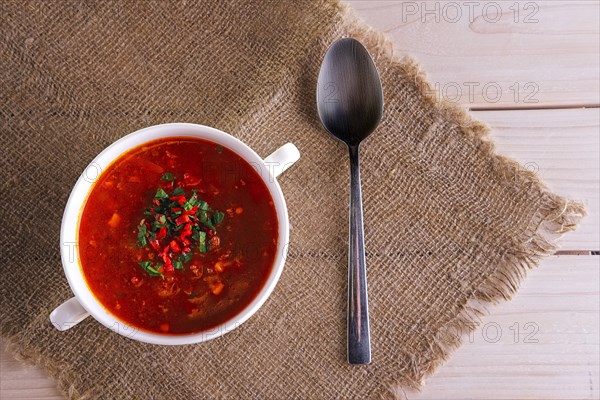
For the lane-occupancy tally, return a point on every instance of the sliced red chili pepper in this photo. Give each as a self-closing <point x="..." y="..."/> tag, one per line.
<point x="186" y="249"/>
<point x="162" y="232"/>
<point x="186" y="242"/>
<point x="168" y="262"/>
<point x="177" y="209"/>
<point x="155" y="245"/>
<point x="179" y="199"/>
<point x="155" y="201"/>
<point x="182" y="220"/>
<point x="187" y="231"/>
<point x="192" y="211"/>
<point x="174" y="246"/>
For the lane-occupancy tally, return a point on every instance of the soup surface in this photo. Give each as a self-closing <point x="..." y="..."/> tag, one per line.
<point x="177" y="236"/>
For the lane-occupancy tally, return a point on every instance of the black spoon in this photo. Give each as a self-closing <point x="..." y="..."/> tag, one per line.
<point x="350" y="105"/>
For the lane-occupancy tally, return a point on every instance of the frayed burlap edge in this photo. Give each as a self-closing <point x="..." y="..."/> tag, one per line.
<point x="554" y="217"/>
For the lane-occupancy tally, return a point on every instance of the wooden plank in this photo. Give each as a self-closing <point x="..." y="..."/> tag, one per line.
<point x="23" y="381"/>
<point x="555" y="354"/>
<point x="504" y="64"/>
<point x="564" y="147"/>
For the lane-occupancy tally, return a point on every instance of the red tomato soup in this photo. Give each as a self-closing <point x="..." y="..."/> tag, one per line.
<point x="177" y="236"/>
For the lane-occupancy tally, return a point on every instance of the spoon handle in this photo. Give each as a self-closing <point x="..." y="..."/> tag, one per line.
<point x="359" y="341"/>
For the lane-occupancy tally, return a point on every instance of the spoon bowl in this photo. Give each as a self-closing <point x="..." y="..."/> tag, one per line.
<point x="349" y="93"/>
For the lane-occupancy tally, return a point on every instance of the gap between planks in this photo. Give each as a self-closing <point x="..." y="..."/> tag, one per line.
<point x="542" y="107"/>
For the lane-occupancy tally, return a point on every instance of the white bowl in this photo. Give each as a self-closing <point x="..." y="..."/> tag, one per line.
<point x="85" y="303"/>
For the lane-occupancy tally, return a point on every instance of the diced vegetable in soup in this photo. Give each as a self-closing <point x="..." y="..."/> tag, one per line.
<point x="178" y="236"/>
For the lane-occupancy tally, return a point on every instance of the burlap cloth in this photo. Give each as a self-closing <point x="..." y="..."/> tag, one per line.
<point x="450" y="225"/>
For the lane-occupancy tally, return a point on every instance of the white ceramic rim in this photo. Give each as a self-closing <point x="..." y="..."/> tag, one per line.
<point x="70" y="223"/>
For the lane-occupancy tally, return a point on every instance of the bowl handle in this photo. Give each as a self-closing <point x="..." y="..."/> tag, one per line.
<point x="281" y="159"/>
<point x="68" y="314"/>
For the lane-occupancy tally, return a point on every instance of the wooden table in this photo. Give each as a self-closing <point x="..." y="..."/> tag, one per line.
<point x="530" y="69"/>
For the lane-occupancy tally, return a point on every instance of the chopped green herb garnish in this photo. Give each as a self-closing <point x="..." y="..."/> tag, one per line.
<point x="167" y="176"/>
<point x="152" y="271"/>
<point x="156" y="226"/>
<point x="202" y="205"/>
<point x="203" y="218"/>
<point x="218" y="217"/>
<point x="219" y="149"/>
<point x="186" y="257"/>
<point x="192" y="201"/>
<point x="141" y="238"/>
<point x="161" y="194"/>
<point x="201" y="240"/>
